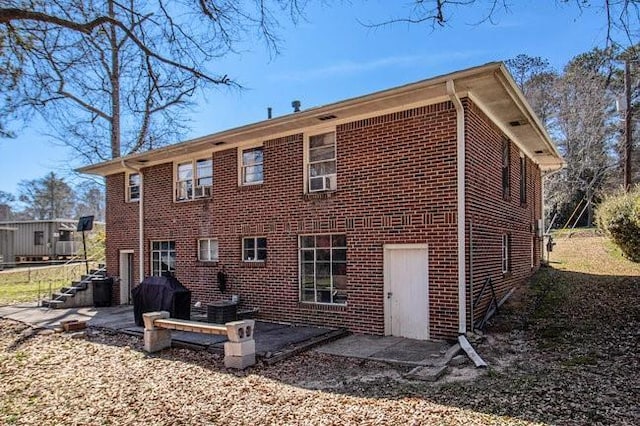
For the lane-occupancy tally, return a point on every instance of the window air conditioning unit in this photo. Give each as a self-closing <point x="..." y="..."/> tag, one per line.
<point x="323" y="183"/>
<point x="202" y="192"/>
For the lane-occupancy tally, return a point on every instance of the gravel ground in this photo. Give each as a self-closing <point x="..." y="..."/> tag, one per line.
<point x="563" y="351"/>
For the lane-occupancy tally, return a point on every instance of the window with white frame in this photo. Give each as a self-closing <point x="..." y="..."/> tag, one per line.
<point x="133" y="187"/>
<point x="254" y="249"/>
<point x="506" y="253"/>
<point x="506" y="169"/>
<point x="208" y="250"/>
<point x="251" y="167"/>
<point x="194" y="179"/>
<point x="323" y="268"/>
<point x="163" y="258"/>
<point x="321" y="171"/>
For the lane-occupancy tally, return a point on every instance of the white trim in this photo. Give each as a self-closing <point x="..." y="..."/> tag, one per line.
<point x="209" y="239"/>
<point x="460" y="165"/>
<point x="127" y="187"/>
<point x="255" y="249"/>
<point x="194" y="178"/>
<point x="140" y="218"/>
<point x="245" y="147"/>
<point x="121" y="273"/>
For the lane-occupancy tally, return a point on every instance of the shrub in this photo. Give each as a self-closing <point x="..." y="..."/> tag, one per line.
<point x="619" y="217"/>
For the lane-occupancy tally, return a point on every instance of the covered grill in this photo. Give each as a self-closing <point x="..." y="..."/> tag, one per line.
<point x="161" y="294"/>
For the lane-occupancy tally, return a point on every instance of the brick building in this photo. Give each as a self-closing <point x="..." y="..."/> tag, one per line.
<point x="384" y="213"/>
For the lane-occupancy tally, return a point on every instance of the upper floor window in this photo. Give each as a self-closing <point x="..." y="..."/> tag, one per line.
<point x="254" y="249"/>
<point x="506" y="169"/>
<point x="251" y="166"/>
<point x="208" y="250"/>
<point x="133" y="187"/>
<point x="523" y="180"/>
<point x="194" y="179"/>
<point x="321" y="168"/>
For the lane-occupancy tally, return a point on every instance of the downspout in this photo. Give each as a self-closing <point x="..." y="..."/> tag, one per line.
<point x="462" y="243"/>
<point x="460" y="166"/>
<point x="140" y="218"/>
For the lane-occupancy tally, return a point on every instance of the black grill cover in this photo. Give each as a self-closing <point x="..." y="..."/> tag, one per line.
<point x="161" y="294"/>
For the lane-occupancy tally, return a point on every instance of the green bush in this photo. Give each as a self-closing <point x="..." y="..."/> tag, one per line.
<point x="619" y="217"/>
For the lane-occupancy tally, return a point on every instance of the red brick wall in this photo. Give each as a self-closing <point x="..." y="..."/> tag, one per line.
<point x="489" y="215"/>
<point x="413" y="149"/>
<point x="396" y="184"/>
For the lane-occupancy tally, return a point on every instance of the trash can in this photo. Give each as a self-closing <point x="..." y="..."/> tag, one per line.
<point x="102" y="291"/>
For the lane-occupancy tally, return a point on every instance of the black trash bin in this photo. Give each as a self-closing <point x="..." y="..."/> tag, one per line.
<point x="102" y="288"/>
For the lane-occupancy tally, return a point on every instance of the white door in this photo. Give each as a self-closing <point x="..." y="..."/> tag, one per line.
<point x="126" y="276"/>
<point x="406" y="286"/>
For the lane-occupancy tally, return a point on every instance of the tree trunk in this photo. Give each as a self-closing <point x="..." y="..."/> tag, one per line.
<point x="115" y="87"/>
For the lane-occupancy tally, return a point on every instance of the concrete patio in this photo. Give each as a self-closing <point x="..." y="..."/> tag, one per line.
<point x="274" y="341"/>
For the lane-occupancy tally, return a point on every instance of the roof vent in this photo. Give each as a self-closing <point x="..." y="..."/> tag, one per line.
<point x="296" y="105"/>
<point x="517" y="123"/>
<point x="218" y="143"/>
<point x="538" y="152"/>
<point x="327" y="117"/>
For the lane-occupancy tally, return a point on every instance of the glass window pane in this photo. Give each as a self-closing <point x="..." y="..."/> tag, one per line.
<point x="323" y="240"/>
<point x="249" y="243"/>
<point x="322" y="169"/>
<point x="172" y="245"/>
<point x="204" y="168"/>
<point x="323" y="270"/>
<point x="262" y="243"/>
<point x="339" y="268"/>
<point x="307" y="255"/>
<point x="185" y="171"/>
<point x="340" y="282"/>
<point x="155" y="245"/>
<point x="308" y="270"/>
<point x="327" y="139"/>
<point x="203" y="250"/>
<point x="262" y="254"/>
<point x="134" y="179"/>
<point x="320" y="154"/>
<point x="307" y="241"/>
<point x="339" y="254"/>
<point x="339" y="240"/>
<point x="323" y="255"/>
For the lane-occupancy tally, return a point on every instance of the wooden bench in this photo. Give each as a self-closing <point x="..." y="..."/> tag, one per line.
<point x="239" y="351"/>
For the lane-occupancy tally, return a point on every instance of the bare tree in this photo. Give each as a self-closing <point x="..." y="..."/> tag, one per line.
<point x="47" y="198"/>
<point x="90" y="200"/>
<point x="6" y="205"/>
<point x="114" y="77"/>
<point x="619" y="16"/>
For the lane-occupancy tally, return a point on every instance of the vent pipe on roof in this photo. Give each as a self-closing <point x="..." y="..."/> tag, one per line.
<point x="269" y="113"/>
<point x="296" y="105"/>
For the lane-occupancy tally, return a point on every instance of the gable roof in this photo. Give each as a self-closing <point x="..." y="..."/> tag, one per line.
<point x="489" y="86"/>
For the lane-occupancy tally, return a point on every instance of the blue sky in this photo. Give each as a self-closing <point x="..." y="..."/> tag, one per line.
<point x="331" y="56"/>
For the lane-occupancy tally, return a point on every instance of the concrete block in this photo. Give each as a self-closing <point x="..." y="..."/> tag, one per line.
<point x="427" y="374"/>
<point x="150" y="317"/>
<point x="240" y="362"/>
<point x="240" y="348"/>
<point x="157" y="340"/>
<point x="240" y="331"/>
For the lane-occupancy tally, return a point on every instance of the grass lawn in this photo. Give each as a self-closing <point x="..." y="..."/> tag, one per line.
<point x="564" y="350"/>
<point x="26" y="284"/>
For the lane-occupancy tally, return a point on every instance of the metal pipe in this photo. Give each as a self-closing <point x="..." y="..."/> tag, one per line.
<point x="140" y="219"/>
<point x="460" y="166"/>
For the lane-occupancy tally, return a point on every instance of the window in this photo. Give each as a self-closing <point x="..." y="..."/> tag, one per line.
<point x="321" y="174"/>
<point x="323" y="268"/>
<point x="38" y="238"/>
<point x="523" y="180"/>
<point x="251" y="166"/>
<point x="506" y="253"/>
<point x="506" y="169"/>
<point x="254" y="249"/>
<point x="133" y="187"/>
<point x="194" y="179"/>
<point x="163" y="258"/>
<point x="208" y="250"/>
